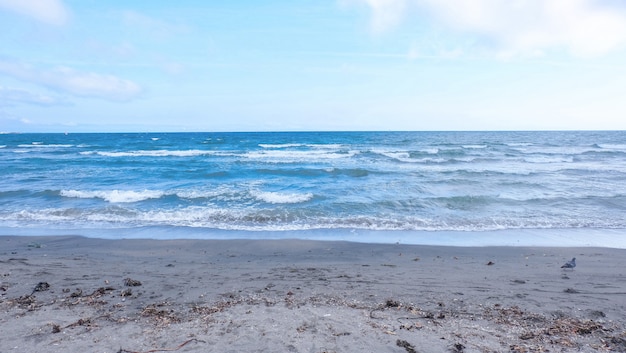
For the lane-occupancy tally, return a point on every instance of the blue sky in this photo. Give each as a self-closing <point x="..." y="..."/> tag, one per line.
<point x="88" y="65"/>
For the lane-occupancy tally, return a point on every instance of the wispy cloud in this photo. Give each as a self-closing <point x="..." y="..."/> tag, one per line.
<point x="52" y="12"/>
<point x="585" y="28"/>
<point x="68" y="80"/>
<point x="156" y="28"/>
<point x="12" y="96"/>
<point x="386" y="13"/>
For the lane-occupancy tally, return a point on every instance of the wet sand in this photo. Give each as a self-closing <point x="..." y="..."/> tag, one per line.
<point x="75" y="294"/>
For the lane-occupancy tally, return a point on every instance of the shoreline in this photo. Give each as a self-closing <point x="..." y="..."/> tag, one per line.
<point x="191" y="295"/>
<point x="572" y="237"/>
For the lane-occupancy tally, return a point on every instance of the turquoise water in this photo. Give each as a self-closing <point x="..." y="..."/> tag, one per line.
<point x="162" y="183"/>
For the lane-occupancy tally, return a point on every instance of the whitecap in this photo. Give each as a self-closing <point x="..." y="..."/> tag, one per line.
<point x="114" y="196"/>
<point x="282" y="156"/>
<point x="332" y="146"/>
<point x="612" y="146"/>
<point x="400" y="155"/>
<point x="154" y="153"/>
<point x="276" y="197"/>
<point x="284" y="145"/>
<point x="41" y="145"/>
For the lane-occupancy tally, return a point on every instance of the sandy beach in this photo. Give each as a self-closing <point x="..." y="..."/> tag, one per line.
<point x="75" y="294"/>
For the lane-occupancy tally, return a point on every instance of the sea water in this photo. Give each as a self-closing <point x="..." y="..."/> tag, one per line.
<point x="167" y="185"/>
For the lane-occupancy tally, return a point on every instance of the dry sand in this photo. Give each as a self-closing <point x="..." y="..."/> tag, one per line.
<point x="74" y="294"/>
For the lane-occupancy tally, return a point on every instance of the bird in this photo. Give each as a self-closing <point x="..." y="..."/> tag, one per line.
<point x="570" y="264"/>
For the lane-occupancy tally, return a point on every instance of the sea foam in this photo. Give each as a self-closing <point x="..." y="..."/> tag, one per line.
<point x="276" y="197"/>
<point x="114" y="196"/>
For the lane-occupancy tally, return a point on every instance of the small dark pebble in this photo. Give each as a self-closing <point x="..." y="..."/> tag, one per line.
<point x="392" y="303"/>
<point x="129" y="282"/>
<point x="406" y="345"/>
<point x="41" y="287"/>
<point x="458" y="348"/>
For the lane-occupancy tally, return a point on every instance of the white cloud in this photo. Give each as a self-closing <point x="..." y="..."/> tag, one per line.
<point x="386" y="13"/>
<point x="47" y="11"/>
<point x="519" y="27"/>
<point x="11" y="96"/>
<point x="65" y="79"/>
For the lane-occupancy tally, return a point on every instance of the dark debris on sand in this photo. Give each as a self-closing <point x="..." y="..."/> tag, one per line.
<point x="515" y="329"/>
<point x="406" y="345"/>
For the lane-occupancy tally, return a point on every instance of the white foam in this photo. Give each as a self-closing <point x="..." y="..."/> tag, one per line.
<point x="404" y="156"/>
<point x="332" y="146"/>
<point x="149" y="153"/>
<point x="284" y="145"/>
<point x="401" y="156"/>
<point x="276" y="197"/>
<point x="612" y="146"/>
<point x="282" y="156"/>
<point x="114" y="196"/>
<point x="549" y="159"/>
<point x="41" y="145"/>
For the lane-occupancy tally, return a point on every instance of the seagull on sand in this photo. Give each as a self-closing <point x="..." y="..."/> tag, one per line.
<point x="570" y="264"/>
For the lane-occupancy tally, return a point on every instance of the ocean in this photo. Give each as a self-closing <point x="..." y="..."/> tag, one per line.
<point x="311" y="184"/>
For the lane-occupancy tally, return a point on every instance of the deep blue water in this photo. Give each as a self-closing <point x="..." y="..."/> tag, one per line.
<point x="392" y="181"/>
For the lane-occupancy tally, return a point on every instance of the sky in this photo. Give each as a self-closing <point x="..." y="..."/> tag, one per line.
<point x="112" y="66"/>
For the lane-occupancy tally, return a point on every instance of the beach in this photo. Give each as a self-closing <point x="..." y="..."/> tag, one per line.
<point x="76" y="294"/>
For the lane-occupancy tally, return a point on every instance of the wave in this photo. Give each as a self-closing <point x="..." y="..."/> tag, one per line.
<point x="268" y="155"/>
<point x="612" y="147"/>
<point x="281" y="156"/>
<point x="219" y="194"/>
<point x="412" y="157"/>
<point x="559" y="150"/>
<point x="519" y="144"/>
<point x="284" y="220"/>
<point x="114" y="196"/>
<point x="280" y="145"/>
<point x="352" y="172"/>
<point x="42" y="145"/>
<point x="152" y="153"/>
<point x="548" y="159"/>
<point x="332" y="146"/>
<point x="281" y="198"/>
